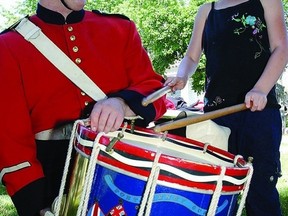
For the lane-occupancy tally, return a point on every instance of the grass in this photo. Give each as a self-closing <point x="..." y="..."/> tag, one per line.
<point x="7" y="208"/>
<point x="283" y="181"/>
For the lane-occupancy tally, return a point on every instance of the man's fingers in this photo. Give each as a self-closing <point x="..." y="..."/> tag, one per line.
<point x="107" y="115"/>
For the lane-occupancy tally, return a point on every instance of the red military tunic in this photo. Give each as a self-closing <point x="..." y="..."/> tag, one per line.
<point x="35" y="96"/>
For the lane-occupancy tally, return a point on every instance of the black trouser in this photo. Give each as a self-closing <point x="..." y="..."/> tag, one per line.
<point x="52" y="155"/>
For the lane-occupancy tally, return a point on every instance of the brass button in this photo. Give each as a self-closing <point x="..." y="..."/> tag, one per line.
<point x="78" y="60"/>
<point x="75" y="49"/>
<point x="70" y="28"/>
<point x="72" y="38"/>
<point x="83" y="93"/>
<point x="86" y="103"/>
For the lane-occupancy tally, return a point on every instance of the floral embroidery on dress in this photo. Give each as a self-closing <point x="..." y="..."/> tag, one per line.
<point x="253" y="24"/>
<point x="218" y="100"/>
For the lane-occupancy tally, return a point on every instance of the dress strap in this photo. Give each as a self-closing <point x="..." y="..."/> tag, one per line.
<point x="213" y="5"/>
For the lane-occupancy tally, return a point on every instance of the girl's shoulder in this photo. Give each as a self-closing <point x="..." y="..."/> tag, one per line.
<point x="204" y="9"/>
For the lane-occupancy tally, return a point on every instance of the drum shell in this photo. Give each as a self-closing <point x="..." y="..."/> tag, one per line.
<point x="76" y="185"/>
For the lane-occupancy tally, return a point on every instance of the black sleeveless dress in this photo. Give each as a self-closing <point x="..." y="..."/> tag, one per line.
<point x="236" y="46"/>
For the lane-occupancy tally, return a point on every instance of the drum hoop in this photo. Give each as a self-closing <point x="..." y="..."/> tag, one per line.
<point x="226" y="160"/>
<point x="237" y="160"/>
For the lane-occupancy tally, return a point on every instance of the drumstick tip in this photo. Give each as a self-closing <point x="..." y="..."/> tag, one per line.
<point x="157" y="129"/>
<point x="144" y="102"/>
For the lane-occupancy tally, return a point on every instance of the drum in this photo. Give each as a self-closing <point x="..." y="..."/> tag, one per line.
<point x="135" y="171"/>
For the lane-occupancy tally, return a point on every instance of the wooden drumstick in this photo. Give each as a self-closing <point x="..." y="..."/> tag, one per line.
<point x="156" y="95"/>
<point x="198" y="118"/>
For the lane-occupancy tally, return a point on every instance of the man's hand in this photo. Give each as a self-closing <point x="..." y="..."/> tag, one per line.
<point x="108" y="114"/>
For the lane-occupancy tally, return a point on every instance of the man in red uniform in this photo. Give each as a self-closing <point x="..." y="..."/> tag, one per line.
<point x="36" y="97"/>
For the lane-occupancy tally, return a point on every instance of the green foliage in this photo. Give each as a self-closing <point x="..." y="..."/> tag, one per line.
<point x="281" y="94"/>
<point x="6" y="206"/>
<point x="282" y="182"/>
<point x="198" y="78"/>
<point x="20" y="10"/>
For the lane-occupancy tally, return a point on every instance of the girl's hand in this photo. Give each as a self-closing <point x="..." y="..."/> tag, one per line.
<point x="255" y="100"/>
<point x="176" y="83"/>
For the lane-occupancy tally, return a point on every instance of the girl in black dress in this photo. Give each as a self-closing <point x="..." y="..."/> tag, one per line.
<point x="245" y="44"/>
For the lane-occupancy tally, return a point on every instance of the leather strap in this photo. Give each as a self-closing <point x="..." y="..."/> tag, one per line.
<point x="58" y="58"/>
<point x="64" y="3"/>
<point x="60" y="133"/>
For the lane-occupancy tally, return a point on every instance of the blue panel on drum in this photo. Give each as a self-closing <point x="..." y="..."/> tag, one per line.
<point x="113" y="189"/>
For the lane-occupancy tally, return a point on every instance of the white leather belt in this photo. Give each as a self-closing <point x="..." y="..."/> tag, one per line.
<point x="60" y="133"/>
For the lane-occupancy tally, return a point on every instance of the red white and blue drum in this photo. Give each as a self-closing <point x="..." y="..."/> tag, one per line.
<point x="153" y="174"/>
